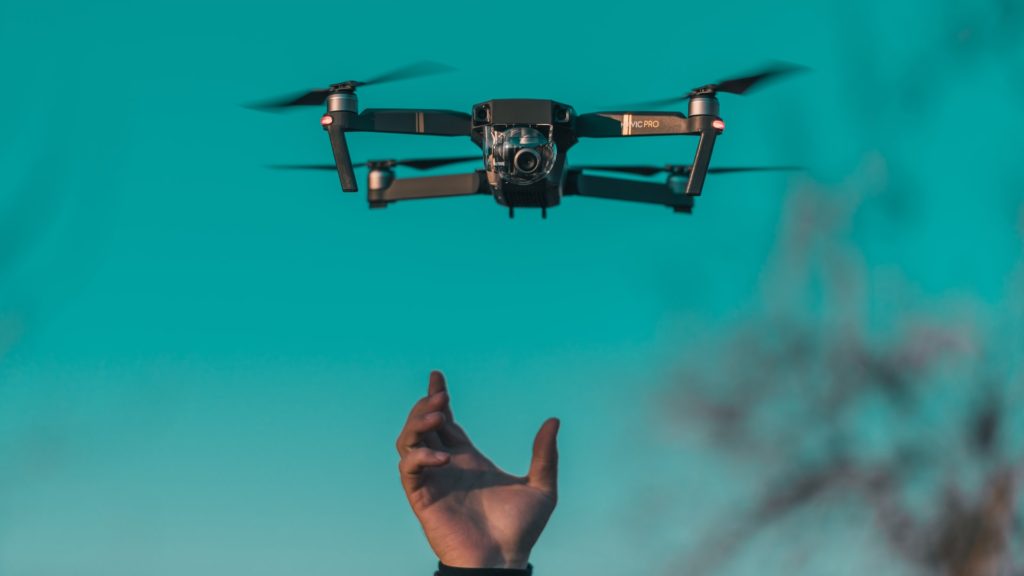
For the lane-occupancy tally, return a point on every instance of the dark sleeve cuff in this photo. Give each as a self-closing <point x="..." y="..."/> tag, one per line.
<point x="443" y="570"/>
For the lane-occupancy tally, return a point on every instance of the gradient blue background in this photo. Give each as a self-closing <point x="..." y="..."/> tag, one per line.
<point x="204" y="363"/>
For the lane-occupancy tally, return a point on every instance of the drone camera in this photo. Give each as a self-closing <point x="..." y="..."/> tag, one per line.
<point x="526" y="161"/>
<point x="520" y="154"/>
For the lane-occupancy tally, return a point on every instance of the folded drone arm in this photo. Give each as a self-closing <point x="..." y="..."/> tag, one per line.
<point x="412" y="121"/>
<point x="430" y="187"/>
<point x="580" y="184"/>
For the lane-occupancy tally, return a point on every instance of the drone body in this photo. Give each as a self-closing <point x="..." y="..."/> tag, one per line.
<point x="524" y="145"/>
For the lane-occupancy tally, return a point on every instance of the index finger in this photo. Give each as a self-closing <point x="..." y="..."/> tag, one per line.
<point x="437" y="384"/>
<point x="450" y="432"/>
<point x="418" y="429"/>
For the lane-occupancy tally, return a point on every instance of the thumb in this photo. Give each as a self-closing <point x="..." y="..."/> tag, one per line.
<point x="544" y="465"/>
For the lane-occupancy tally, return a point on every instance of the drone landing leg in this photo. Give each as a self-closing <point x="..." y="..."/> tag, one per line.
<point x="511" y="213"/>
<point x="701" y="161"/>
<point x="339" y="147"/>
<point x="544" y="212"/>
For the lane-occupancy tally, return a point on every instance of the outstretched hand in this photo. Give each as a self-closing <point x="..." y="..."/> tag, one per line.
<point x="474" y="514"/>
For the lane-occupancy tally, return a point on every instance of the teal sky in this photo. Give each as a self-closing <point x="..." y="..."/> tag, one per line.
<point x="204" y="363"/>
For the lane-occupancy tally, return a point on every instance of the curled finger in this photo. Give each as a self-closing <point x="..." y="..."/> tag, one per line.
<point x="415" y="461"/>
<point x="419" y="430"/>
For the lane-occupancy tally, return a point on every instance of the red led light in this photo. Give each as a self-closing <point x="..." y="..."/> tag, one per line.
<point x="326" y="120"/>
<point x="718" y="124"/>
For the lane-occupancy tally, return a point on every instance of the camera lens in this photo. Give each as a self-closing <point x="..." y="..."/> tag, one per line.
<point x="527" y="161"/>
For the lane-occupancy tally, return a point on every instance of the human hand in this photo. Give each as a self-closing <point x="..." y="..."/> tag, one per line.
<point x="474" y="514"/>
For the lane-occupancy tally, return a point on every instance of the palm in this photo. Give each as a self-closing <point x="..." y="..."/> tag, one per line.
<point x="472" y="512"/>
<point x="472" y="505"/>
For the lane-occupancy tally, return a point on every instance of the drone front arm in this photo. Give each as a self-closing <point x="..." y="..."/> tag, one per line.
<point x="430" y="187"/>
<point x="338" y="122"/>
<point x="618" y="124"/>
<point x="412" y="121"/>
<point x="580" y="184"/>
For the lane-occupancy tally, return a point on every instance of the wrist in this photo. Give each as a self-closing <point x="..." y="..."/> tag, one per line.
<point x="448" y="570"/>
<point x="498" y="561"/>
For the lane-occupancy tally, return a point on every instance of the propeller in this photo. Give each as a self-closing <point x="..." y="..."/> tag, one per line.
<point x="318" y="96"/>
<point x="731" y="86"/>
<point x="684" y="169"/>
<point x="743" y="84"/>
<point x="417" y="164"/>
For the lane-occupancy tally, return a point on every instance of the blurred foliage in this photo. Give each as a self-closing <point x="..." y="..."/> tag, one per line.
<point x="915" y="423"/>
<point x="848" y="388"/>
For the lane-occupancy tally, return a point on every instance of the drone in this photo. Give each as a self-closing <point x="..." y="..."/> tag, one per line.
<point x="524" y="144"/>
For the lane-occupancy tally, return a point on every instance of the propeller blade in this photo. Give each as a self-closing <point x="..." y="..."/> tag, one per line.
<point x="303" y="167"/>
<point x="415" y="70"/>
<point x="731" y="86"/>
<point x="731" y="169"/>
<point x="655" y="103"/>
<point x="319" y="96"/>
<point x="311" y="98"/>
<point x="685" y="169"/>
<point x="634" y="169"/>
<point x="745" y="83"/>
<point x="417" y="164"/>
<point x="428" y="163"/>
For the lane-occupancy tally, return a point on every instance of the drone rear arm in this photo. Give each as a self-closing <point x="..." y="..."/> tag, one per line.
<point x="428" y="187"/>
<point x="580" y="184"/>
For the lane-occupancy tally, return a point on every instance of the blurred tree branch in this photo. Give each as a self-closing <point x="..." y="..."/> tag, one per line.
<point x="790" y="392"/>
